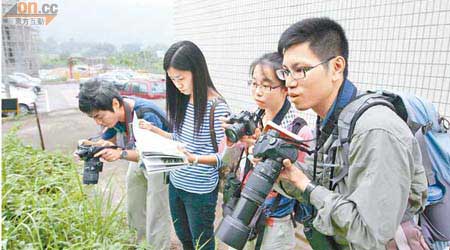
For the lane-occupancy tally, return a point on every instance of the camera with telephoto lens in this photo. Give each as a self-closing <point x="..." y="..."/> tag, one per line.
<point x="92" y="165"/>
<point x="236" y="229"/>
<point x="243" y="123"/>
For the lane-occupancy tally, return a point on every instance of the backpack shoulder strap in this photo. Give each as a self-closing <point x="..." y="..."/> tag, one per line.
<point x="347" y="121"/>
<point x="426" y="160"/>
<point x="212" y="132"/>
<point x="353" y="111"/>
<point x="140" y="112"/>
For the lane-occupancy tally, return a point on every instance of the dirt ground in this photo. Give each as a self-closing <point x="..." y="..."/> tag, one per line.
<point x="62" y="129"/>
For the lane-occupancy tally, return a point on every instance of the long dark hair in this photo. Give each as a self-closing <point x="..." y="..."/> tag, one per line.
<point x="185" y="55"/>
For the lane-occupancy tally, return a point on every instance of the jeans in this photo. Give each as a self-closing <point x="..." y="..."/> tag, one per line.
<point x="193" y="217"/>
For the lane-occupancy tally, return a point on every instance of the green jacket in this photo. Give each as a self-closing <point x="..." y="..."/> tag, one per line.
<point x="386" y="183"/>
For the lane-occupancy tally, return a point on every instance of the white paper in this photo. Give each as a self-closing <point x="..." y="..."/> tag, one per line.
<point x="158" y="153"/>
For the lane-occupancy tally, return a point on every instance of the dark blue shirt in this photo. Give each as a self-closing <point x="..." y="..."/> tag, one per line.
<point x="345" y="96"/>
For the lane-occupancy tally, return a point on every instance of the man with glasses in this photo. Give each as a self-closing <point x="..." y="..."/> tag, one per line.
<point x="385" y="184"/>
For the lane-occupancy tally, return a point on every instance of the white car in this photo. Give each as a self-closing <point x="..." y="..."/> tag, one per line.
<point x="24" y="80"/>
<point x="26" y="97"/>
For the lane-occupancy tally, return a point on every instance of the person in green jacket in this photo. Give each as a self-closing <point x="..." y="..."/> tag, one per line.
<point x="386" y="183"/>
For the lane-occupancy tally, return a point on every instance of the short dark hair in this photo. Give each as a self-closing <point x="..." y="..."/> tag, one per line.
<point x="326" y="38"/>
<point x="185" y="55"/>
<point x="95" y="95"/>
<point x="273" y="60"/>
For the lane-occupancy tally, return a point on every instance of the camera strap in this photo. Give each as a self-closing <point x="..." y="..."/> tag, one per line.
<point x="128" y="124"/>
<point x="282" y="113"/>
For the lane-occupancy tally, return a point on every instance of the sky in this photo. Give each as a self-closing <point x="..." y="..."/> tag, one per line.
<point x="118" y="22"/>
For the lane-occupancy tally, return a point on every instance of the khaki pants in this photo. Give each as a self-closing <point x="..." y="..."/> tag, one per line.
<point x="148" y="207"/>
<point x="278" y="236"/>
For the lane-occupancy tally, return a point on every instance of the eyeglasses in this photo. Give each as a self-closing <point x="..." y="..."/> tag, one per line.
<point x="300" y="73"/>
<point x="264" y="88"/>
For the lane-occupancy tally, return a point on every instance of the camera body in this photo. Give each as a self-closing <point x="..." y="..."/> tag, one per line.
<point x="243" y="123"/>
<point x="235" y="229"/>
<point x="92" y="165"/>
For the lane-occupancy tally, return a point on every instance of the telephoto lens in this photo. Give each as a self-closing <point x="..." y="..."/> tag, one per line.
<point x="235" y="229"/>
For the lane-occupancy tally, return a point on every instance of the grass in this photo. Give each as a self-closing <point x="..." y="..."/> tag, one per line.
<point x="45" y="205"/>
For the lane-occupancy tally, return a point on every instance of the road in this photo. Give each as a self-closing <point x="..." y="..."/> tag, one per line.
<point x="54" y="97"/>
<point x="62" y="96"/>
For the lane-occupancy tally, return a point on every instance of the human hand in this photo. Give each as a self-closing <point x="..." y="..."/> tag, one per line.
<point x="87" y="142"/>
<point x="250" y="140"/>
<point x="76" y="156"/>
<point x="146" y="125"/>
<point x="224" y="124"/>
<point x="190" y="157"/>
<point x="109" y="154"/>
<point x="98" y="143"/>
<point x="294" y="174"/>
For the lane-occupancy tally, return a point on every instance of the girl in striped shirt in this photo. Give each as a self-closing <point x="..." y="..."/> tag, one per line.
<point x="193" y="190"/>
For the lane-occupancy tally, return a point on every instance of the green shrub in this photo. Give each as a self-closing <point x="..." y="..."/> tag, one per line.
<point x="45" y="206"/>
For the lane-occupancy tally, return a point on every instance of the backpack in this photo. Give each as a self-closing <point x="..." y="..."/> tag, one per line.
<point x="432" y="134"/>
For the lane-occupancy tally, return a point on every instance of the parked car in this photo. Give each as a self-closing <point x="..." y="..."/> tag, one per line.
<point x="118" y="80"/>
<point x="144" y="88"/>
<point x="25" y="96"/>
<point x="125" y="72"/>
<point x="26" y="81"/>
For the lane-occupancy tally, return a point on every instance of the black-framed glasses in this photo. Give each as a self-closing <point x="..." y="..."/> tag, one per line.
<point x="299" y="73"/>
<point x="265" y="88"/>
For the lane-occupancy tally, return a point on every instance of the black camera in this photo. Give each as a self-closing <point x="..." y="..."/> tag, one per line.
<point x="243" y="123"/>
<point x="236" y="229"/>
<point x="92" y="165"/>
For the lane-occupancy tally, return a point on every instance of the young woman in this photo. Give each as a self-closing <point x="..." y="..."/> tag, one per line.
<point x="193" y="190"/>
<point x="270" y="94"/>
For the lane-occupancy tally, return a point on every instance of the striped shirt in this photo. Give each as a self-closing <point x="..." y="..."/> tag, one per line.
<point x="202" y="178"/>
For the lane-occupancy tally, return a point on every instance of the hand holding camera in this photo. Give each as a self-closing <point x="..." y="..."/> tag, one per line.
<point x="244" y="127"/>
<point x="90" y="154"/>
<point x="273" y="148"/>
<point x="294" y="175"/>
